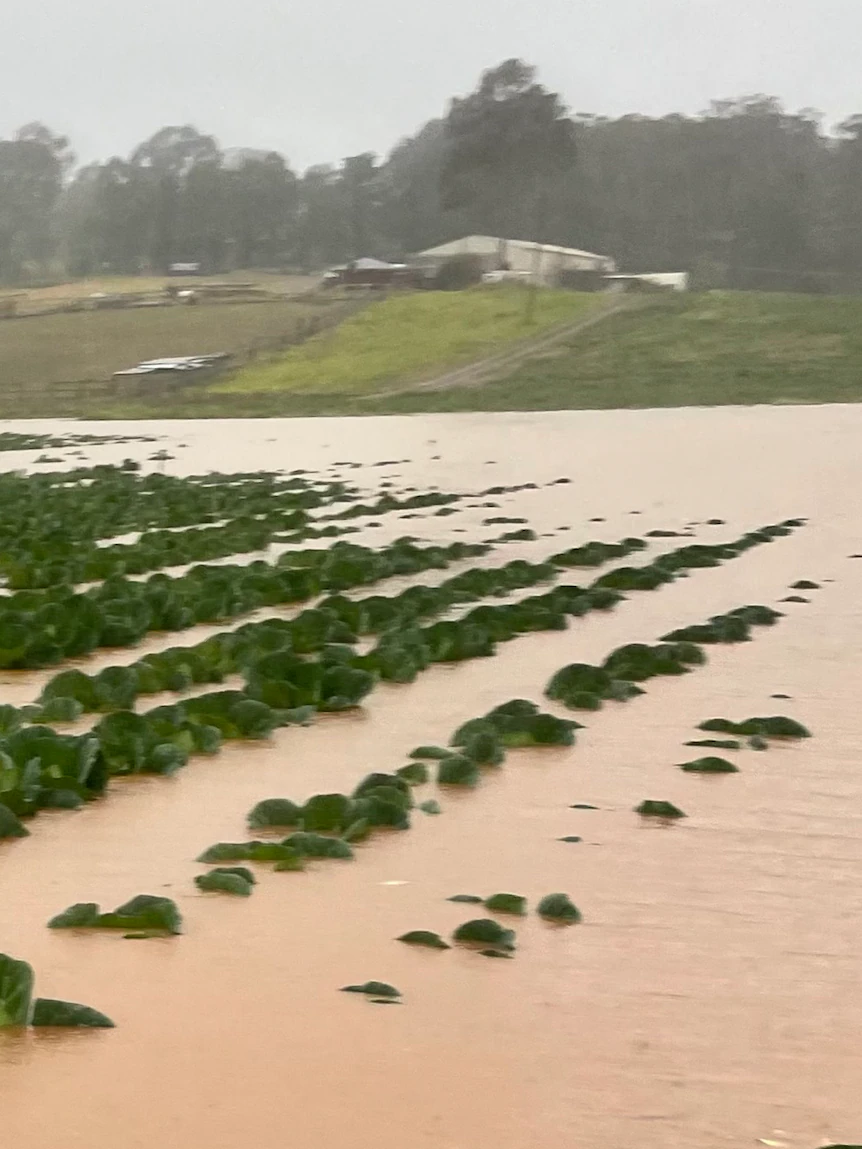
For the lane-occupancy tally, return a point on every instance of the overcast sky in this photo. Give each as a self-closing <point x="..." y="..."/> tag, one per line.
<point x="321" y="79"/>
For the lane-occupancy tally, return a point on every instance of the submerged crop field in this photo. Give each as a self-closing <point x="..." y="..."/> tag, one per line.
<point x="295" y="708"/>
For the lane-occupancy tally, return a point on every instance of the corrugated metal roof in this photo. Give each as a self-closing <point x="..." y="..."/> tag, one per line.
<point x="367" y="264"/>
<point x="175" y="363"/>
<point x="524" y="244"/>
<point x="374" y="265"/>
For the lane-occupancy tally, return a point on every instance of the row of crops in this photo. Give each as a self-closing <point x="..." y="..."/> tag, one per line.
<point x="56" y="529"/>
<point x="293" y="668"/>
<point x="60" y="530"/>
<point x="325" y="826"/>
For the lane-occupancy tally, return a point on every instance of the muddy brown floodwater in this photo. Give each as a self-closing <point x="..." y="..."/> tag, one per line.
<point x="712" y="995"/>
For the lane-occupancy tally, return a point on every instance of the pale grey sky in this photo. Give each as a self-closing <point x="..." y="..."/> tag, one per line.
<point x="321" y="79"/>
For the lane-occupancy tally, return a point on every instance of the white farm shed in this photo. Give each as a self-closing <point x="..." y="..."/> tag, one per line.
<point x="669" y="280"/>
<point x="542" y="259"/>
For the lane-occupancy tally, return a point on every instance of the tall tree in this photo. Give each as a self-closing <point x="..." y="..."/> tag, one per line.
<point x="505" y="143"/>
<point x="168" y="160"/>
<point x="747" y="194"/>
<point x="322" y="232"/>
<point x="263" y="198"/>
<point x="32" y="167"/>
<point x="359" y="186"/>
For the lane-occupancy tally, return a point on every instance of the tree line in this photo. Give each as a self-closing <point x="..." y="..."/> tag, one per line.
<point x="746" y="194"/>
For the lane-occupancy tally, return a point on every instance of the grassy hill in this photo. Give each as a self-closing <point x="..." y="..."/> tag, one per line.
<point x="407" y="337"/>
<point x="701" y="349"/>
<point x="697" y="350"/>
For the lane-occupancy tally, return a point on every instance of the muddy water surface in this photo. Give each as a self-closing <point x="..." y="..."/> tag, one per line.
<point x="711" y="997"/>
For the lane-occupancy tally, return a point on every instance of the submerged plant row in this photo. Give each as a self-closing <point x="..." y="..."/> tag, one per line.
<point x="336" y="619"/>
<point x="22" y="441"/>
<point x="325" y="826"/>
<point x="403" y="650"/>
<point x="41" y="769"/>
<point x="50" y="525"/>
<point x="179" y="547"/>
<point x="42" y="628"/>
<point x="283" y="684"/>
<point x="582" y="686"/>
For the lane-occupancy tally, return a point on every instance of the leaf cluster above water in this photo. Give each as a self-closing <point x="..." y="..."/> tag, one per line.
<point x="18" y="1007"/>
<point x="143" y="912"/>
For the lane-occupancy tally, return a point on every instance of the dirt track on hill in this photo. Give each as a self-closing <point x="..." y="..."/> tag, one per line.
<point x="504" y="362"/>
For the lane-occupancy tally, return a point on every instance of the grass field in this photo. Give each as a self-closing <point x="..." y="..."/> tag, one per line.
<point x="704" y="349"/>
<point x="406" y="337"/>
<point x="41" y="355"/>
<point x="698" y="350"/>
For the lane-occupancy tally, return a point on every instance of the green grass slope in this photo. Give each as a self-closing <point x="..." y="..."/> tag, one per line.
<point x="698" y="350"/>
<point x="407" y="337"/>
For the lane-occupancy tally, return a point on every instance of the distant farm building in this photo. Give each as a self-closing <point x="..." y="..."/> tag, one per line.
<point x="369" y="273"/>
<point x="650" y="280"/>
<point x="545" y="262"/>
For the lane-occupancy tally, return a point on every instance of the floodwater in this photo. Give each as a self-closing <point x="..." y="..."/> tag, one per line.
<point x="712" y="996"/>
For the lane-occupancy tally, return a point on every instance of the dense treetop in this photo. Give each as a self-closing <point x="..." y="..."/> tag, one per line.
<point x="746" y="194"/>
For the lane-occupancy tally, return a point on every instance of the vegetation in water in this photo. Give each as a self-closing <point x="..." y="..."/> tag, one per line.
<point x="275" y="812"/>
<point x="262" y="651"/>
<point x="21" y="441"/>
<point x="735" y="626"/>
<point x="430" y="753"/>
<point x="776" y="726"/>
<point x="506" y="904"/>
<point x="311" y="845"/>
<point x="559" y="908"/>
<point x="42" y="628"/>
<point x="146" y="912"/>
<point x="253" y="851"/>
<point x="10" y="824"/>
<point x="385" y="799"/>
<point x="416" y="773"/>
<point x="373" y="989"/>
<point x="18" y="1007"/>
<point x="584" y="687"/>
<point x="716" y="743"/>
<point x="652" y="808"/>
<point x="485" y="931"/>
<point x="709" y="765"/>
<point x="236" y="880"/>
<point x="294" y="668"/>
<point x="424" y="938"/>
<point x="458" y="770"/>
